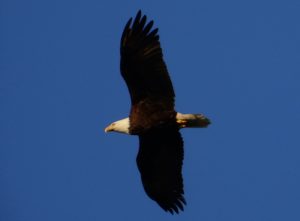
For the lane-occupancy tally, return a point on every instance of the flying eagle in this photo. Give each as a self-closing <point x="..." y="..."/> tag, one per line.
<point x="152" y="116"/>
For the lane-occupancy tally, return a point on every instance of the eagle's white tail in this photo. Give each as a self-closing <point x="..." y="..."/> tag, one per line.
<point x="192" y="120"/>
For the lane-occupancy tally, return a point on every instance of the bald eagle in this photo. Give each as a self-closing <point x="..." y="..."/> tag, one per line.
<point x="152" y="116"/>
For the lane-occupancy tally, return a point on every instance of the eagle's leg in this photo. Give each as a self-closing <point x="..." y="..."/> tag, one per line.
<point x="192" y="120"/>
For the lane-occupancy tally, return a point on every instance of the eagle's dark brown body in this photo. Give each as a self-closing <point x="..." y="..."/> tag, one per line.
<point x="144" y="116"/>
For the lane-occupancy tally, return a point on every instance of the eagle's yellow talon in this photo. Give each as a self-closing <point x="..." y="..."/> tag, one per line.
<point x="181" y="122"/>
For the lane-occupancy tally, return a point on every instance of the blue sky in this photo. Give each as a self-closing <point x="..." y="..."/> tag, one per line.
<point x="235" y="61"/>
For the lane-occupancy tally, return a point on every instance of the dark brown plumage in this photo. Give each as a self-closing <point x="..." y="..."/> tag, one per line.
<point x="152" y="116"/>
<point x="159" y="161"/>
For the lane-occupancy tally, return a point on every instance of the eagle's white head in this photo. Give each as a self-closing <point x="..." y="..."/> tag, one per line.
<point x="121" y="126"/>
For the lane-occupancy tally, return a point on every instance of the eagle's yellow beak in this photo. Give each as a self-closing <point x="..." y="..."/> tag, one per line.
<point x="108" y="129"/>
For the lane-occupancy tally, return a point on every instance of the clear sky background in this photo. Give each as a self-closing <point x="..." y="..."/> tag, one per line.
<point x="238" y="62"/>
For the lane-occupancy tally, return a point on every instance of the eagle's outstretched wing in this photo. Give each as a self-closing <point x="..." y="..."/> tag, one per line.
<point x="160" y="162"/>
<point x="142" y="64"/>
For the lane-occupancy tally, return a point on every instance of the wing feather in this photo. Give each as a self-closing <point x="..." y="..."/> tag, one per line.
<point x="142" y="64"/>
<point x="159" y="161"/>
